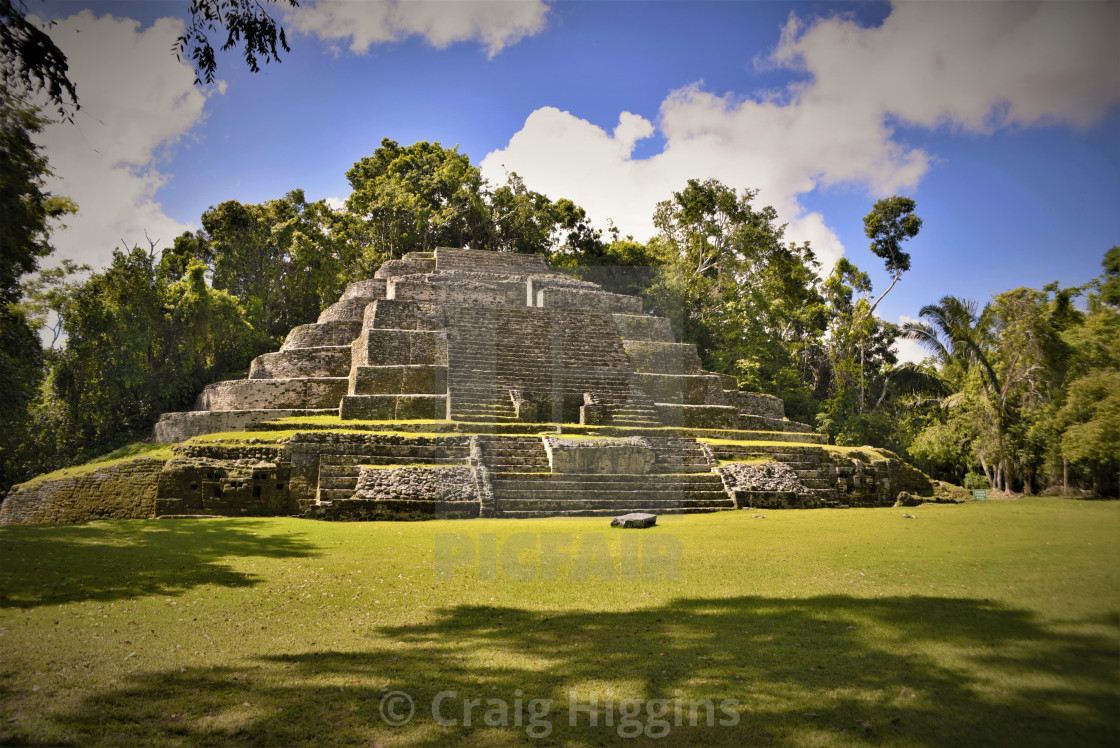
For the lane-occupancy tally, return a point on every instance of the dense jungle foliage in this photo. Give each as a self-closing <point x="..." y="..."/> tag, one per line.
<point x="1021" y="392"/>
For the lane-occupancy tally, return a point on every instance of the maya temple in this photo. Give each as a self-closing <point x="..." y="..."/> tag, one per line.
<point x="463" y="383"/>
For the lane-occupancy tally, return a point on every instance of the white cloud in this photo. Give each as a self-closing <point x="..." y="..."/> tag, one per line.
<point x="136" y="99"/>
<point x="335" y="203"/>
<point x="496" y="25"/>
<point x="973" y="66"/>
<point x="909" y="350"/>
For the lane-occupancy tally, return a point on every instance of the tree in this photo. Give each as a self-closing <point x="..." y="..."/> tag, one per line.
<point x="285" y="260"/>
<point x="890" y="223"/>
<point x="31" y="61"/>
<point x="958" y="334"/>
<point x="1092" y="418"/>
<point x="243" y="21"/>
<point x="26" y="215"/>
<point x="138" y="345"/>
<point x="418" y="197"/>
<point x="1109" y="283"/>
<point x="732" y="285"/>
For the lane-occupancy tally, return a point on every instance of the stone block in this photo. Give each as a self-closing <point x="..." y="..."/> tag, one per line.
<point x="400" y="348"/>
<point x="635" y="521"/>
<point x="397" y="268"/>
<point x="317" y="335"/>
<point x="594" y="415"/>
<point x="662" y="358"/>
<point x="643" y="327"/>
<point x="177" y="427"/>
<point x="697" y="416"/>
<point x="482" y="261"/>
<point x="401" y="314"/>
<point x="632" y="456"/>
<point x="256" y="394"/>
<point x="420" y="379"/>
<point x="346" y="310"/>
<point x="758" y="404"/>
<point x="373" y="288"/>
<point x="599" y="301"/>
<point x="450" y="483"/>
<point x="687" y="389"/>
<point x="327" y="361"/>
<point x="393" y="407"/>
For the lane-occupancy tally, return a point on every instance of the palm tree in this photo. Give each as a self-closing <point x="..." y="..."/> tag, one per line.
<point x="962" y="336"/>
<point x="959" y="335"/>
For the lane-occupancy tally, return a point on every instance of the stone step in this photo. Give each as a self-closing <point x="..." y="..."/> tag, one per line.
<point x="348" y="482"/>
<point x="595" y="494"/>
<point x="532" y="483"/>
<point x="537" y="513"/>
<point x="335" y="494"/>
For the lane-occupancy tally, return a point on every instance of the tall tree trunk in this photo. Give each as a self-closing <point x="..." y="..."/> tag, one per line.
<point x="1065" y="476"/>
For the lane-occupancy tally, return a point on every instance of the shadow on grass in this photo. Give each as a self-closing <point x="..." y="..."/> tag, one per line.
<point x="48" y="565"/>
<point x="834" y="670"/>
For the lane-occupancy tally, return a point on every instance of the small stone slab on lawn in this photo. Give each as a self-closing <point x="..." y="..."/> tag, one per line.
<point x="636" y="520"/>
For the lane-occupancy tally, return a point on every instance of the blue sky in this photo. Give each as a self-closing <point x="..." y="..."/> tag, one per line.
<point x="1000" y="119"/>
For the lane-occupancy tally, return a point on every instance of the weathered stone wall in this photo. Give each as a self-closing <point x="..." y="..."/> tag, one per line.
<point x="872" y="482"/>
<point x="687" y="389"/>
<point x="256" y="394"/>
<point x="346" y="310"/>
<point x="662" y="358"/>
<point x="177" y="427"/>
<point x="761" y="423"/>
<point x="393" y="407"/>
<point x="307" y="448"/>
<point x="631" y="456"/>
<point x="225" y="485"/>
<point x="403" y="314"/>
<point x="535" y="283"/>
<point x="596" y="301"/>
<point x="757" y="404"/>
<point x="833" y="478"/>
<point x="644" y="327"/>
<point x="376" y="347"/>
<point x="410" y="379"/>
<point x="327" y="361"/>
<point x="318" y="335"/>
<point x="501" y="263"/>
<point x="395" y="268"/>
<point x="698" y="416"/>
<point x="126" y="490"/>
<point x="370" y="289"/>
<point x="459" y="288"/>
<point x="451" y="483"/>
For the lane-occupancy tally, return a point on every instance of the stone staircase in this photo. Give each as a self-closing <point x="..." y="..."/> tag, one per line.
<point x="524" y="486"/>
<point x="551" y="356"/>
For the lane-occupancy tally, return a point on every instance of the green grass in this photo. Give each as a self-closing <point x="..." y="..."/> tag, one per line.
<point x="335" y="420"/>
<point x="128" y="452"/>
<point x="988" y="623"/>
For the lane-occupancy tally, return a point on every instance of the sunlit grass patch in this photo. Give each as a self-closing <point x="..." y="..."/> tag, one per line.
<point x="984" y="623"/>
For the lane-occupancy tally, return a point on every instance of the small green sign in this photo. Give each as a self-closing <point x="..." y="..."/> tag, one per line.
<point x="980" y="494"/>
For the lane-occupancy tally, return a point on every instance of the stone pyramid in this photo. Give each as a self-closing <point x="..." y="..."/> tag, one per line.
<point x="460" y="383"/>
<point x="487" y="337"/>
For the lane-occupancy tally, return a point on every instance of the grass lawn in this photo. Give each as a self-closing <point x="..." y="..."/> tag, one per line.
<point x="988" y="623"/>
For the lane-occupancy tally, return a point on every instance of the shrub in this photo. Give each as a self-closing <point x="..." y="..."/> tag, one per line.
<point x="975" y="480"/>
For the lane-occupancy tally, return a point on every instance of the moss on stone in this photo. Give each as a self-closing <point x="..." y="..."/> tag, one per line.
<point x="129" y="452"/>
